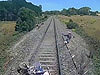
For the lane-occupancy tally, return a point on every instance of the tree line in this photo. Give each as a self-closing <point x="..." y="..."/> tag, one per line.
<point x="73" y="11"/>
<point x="9" y="9"/>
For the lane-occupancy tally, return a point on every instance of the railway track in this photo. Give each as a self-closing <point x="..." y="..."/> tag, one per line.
<point x="46" y="52"/>
<point x="72" y="66"/>
<point x="72" y="62"/>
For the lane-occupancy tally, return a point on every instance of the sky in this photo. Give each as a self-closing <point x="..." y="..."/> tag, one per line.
<point x="60" y="4"/>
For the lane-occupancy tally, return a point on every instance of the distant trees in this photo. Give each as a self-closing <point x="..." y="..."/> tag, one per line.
<point x="70" y="11"/>
<point x="93" y="13"/>
<point x="26" y="20"/>
<point x="73" y="11"/>
<point x="64" y="12"/>
<point x="51" y="12"/>
<point x="84" y="11"/>
<point x="81" y="11"/>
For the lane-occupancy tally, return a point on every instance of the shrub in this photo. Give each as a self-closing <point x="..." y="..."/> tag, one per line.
<point x="45" y="16"/>
<point x="81" y="15"/>
<point x="71" y="25"/>
<point x="26" y="20"/>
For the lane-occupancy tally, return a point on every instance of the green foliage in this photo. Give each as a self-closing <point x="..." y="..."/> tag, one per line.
<point x="45" y="16"/>
<point x="93" y="13"/>
<point x="72" y="11"/>
<point x="26" y="20"/>
<point x="51" y="12"/>
<point x="82" y="11"/>
<point x="64" y="12"/>
<point x="9" y="9"/>
<point x="72" y="25"/>
<point x="97" y="65"/>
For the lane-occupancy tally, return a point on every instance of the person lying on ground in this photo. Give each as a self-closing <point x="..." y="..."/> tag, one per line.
<point x="24" y="69"/>
<point x="68" y="37"/>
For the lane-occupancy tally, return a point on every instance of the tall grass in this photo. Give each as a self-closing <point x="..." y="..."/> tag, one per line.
<point x="90" y="24"/>
<point x="8" y="37"/>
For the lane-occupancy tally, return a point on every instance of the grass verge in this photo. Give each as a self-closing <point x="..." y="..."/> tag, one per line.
<point x="8" y="37"/>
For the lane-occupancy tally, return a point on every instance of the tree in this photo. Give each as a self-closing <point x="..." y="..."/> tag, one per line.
<point x="72" y="11"/>
<point x="64" y="12"/>
<point x="10" y="8"/>
<point x="26" y="20"/>
<point x="93" y="13"/>
<point x="9" y="0"/>
<point x="84" y="11"/>
<point x="40" y="6"/>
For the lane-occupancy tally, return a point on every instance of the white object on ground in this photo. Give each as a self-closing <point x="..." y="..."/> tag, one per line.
<point x="65" y="42"/>
<point x="46" y="73"/>
<point x="73" y="56"/>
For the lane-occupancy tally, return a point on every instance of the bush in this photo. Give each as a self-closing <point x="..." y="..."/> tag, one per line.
<point x="26" y="20"/>
<point x="81" y="15"/>
<point x="71" y="25"/>
<point x="45" y="16"/>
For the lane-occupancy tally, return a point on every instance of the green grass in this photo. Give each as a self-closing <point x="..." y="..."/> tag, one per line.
<point x="8" y="36"/>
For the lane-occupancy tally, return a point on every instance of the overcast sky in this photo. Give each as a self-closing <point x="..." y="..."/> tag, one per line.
<point x="60" y="4"/>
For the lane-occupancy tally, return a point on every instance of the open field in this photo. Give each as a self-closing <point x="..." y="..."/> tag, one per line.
<point x="7" y="38"/>
<point x="91" y="24"/>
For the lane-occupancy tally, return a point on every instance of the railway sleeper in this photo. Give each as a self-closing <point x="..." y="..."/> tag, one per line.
<point x="47" y="59"/>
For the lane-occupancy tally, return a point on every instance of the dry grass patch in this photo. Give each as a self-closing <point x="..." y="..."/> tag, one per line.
<point x="8" y="27"/>
<point x="8" y="37"/>
<point x="91" y="24"/>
